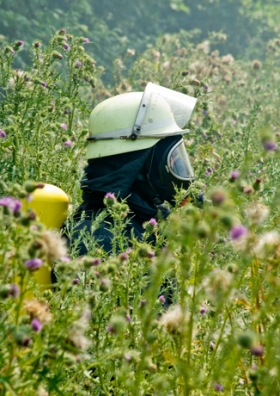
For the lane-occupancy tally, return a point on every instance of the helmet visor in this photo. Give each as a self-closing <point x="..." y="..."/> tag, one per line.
<point x="182" y="105"/>
<point x="178" y="163"/>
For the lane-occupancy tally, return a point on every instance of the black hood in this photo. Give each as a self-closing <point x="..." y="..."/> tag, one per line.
<point x="117" y="174"/>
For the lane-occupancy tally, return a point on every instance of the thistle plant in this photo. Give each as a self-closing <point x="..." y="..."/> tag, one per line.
<point x="192" y="308"/>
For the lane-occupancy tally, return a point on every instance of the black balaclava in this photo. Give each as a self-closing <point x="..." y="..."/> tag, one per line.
<point x="155" y="181"/>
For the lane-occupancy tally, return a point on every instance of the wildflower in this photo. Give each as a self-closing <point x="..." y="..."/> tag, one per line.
<point x="37" y="44"/>
<point x="238" y="231"/>
<point x="68" y="143"/>
<point x="185" y="72"/>
<point x="75" y="281"/>
<point x="257" y="213"/>
<point x="36" y="325"/>
<point x="62" y="31"/>
<point x="270" y="146"/>
<point x="14" y="291"/>
<point x="38" y="310"/>
<point x="267" y="244"/>
<point x="248" y="189"/>
<point x="104" y="285"/>
<point x="130" y="52"/>
<point x="208" y="172"/>
<point x="218" y="197"/>
<point x="205" y="112"/>
<point x="65" y="259"/>
<point x="203" y="310"/>
<point x="174" y="320"/>
<point x="44" y="84"/>
<point x="218" y="387"/>
<point x="217" y="285"/>
<point x="143" y="302"/>
<point x="33" y="264"/>
<point x="227" y="59"/>
<point x="2" y="133"/>
<point x="86" y="40"/>
<point x="110" y="199"/>
<point x="256" y="64"/>
<point x="20" y="43"/>
<point x="150" y="225"/>
<point x="66" y="47"/>
<point x="11" y="205"/>
<point x="63" y="126"/>
<point x="206" y="87"/>
<point x="53" y="245"/>
<point x="123" y="256"/>
<point x="76" y="334"/>
<point x="257" y="350"/>
<point x="234" y="175"/>
<point x="79" y="64"/>
<point x="162" y="299"/>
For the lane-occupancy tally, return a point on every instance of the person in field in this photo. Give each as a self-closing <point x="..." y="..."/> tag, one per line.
<point x="135" y="152"/>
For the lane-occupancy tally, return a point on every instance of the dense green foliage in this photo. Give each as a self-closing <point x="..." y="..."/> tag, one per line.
<point x="114" y="26"/>
<point x="104" y="329"/>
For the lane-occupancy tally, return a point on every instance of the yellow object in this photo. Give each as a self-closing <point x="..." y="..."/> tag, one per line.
<point x="50" y="204"/>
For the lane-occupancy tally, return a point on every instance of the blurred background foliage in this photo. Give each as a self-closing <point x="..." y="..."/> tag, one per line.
<point x="114" y="26"/>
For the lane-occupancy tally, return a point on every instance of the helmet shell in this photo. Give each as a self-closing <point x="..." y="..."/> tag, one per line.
<point x="119" y="113"/>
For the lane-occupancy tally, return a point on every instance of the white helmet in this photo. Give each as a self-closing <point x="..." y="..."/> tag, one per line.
<point x="137" y="121"/>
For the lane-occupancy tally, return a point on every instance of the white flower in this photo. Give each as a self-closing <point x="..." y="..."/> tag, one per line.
<point x="257" y="213"/>
<point x="267" y="244"/>
<point x="174" y="320"/>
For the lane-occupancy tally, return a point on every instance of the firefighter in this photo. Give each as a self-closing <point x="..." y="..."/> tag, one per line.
<point x="135" y="151"/>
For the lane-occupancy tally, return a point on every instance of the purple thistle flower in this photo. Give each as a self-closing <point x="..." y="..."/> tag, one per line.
<point x="13" y="52"/>
<point x="234" y="175"/>
<point x="20" y="43"/>
<point x="123" y="256"/>
<point x="203" y="310"/>
<point x="209" y="172"/>
<point x="110" y="195"/>
<point x="63" y="126"/>
<point x="11" y="204"/>
<point x="75" y="281"/>
<point x="153" y="222"/>
<point x="270" y="146"/>
<point x="68" y="143"/>
<point x="143" y="302"/>
<point x="2" y="133"/>
<point x="33" y="264"/>
<point x="66" y="47"/>
<point x="36" y="325"/>
<point x="162" y="299"/>
<point x="44" y="84"/>
<point x="206" y="87"/>
<point x="79" y="64"/>
<point x="86" y="40"/>
<point x="257" y="350"/>
<point x="37" y="44"/>
<point x="65" y="259"/>
<point x="14" y="291"/>
<point x="238" y="231"/>
<point x="218" y="387"/>
<point x="109" y="199"/>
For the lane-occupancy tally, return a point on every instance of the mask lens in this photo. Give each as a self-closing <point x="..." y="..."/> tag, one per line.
<point x="178" y="162"/>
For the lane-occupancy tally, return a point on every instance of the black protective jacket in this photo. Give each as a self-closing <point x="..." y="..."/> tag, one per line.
<point x="125" y="176"/>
